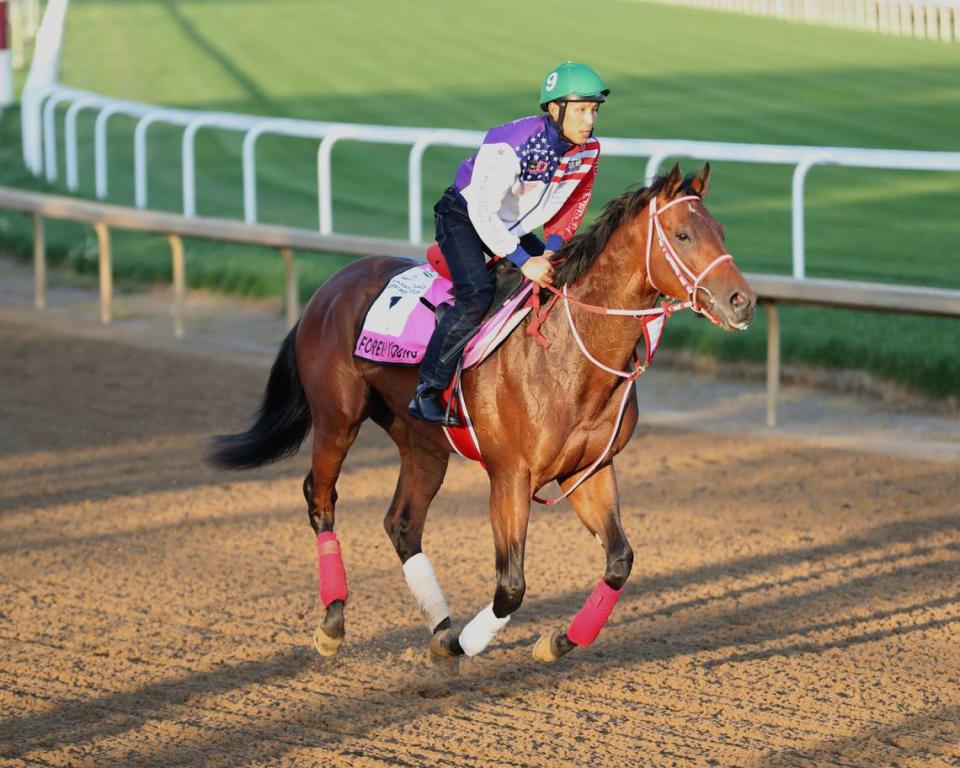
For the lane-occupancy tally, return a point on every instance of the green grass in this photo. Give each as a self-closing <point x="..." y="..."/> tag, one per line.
<point x="675" y="73"/>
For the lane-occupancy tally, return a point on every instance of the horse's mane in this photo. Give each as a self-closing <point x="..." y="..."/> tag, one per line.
<point x="577" y="256"/>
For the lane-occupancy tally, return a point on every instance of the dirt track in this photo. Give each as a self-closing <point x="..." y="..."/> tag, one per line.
<point x="790" y="605"/>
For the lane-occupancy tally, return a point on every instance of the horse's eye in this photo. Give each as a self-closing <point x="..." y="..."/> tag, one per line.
<point x="682" y="236"/>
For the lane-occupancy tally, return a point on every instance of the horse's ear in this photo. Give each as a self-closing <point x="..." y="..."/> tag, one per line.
<point x="701" y="181"/>
<point x="673" y="182"/>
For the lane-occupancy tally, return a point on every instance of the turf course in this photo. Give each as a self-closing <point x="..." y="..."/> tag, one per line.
<point x="677" y="73"/>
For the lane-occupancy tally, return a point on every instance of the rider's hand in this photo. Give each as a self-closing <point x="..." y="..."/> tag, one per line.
<point x="539" y="270"/>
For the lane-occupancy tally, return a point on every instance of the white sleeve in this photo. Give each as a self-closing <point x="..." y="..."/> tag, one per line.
<point x="495" y="171"/>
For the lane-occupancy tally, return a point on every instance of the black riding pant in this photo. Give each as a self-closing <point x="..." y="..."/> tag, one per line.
<point x="473" y="286"/>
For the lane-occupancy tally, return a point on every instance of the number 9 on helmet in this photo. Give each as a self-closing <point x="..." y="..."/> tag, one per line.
<point x="572" y="82"/>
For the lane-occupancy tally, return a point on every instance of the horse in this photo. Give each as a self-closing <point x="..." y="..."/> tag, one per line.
<point x="542" y="412"/>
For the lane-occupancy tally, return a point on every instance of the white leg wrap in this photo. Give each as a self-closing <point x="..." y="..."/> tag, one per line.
<point x="481" y="630"/>
<point x="426" y="589"/>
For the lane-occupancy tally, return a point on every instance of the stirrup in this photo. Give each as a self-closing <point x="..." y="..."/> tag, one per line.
<point x="435" y="413"/>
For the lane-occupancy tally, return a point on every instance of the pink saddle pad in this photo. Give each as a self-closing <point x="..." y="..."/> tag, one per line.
<point x="398" y="324"/>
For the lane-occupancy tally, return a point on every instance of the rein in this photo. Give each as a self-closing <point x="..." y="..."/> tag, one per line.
<point x="684" y="275"/>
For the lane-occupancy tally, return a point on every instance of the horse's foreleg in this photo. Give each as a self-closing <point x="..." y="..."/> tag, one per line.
<point x="597" y="506"/>
<point x="509" y="514"/>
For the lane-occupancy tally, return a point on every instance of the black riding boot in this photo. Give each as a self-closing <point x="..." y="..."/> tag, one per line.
<point x="427" y="405"/>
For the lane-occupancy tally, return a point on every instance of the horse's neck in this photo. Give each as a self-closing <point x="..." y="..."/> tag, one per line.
<point x="616" y="280"/>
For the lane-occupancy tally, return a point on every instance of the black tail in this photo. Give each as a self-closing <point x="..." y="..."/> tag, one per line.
<point x="282" y="421"/>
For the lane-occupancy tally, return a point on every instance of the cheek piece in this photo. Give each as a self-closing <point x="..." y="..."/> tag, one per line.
<point x="333" y="575"/>
<point x="587" y="624"/>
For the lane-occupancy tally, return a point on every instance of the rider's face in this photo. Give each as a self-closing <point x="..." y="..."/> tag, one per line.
<point x="579" y="120"/>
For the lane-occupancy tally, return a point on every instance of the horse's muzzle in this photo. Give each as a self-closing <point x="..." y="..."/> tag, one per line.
<point x="735" y="310"/>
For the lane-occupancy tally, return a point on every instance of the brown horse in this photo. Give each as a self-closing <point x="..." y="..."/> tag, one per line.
<point x="540" y="413"/>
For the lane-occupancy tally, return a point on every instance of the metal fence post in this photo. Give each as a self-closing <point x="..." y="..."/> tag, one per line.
<point x="773" y="362"/>
<point x="50" y="134"/>
<point x="179" y="283"/>
<point x="188" y="163"/>
<point x="39" y="263"/>
<point x="415" y="176"/>
<point x="70" y="139"/>
<point x="324" y="203"/>
<point x="797" y="191"/>
<point x="106" y="272"/>
<point x="107" y="110"/>
<point x="169" y="116"/>
<point x="291" y="294"/>
<point x="249" y="166"/>
<point x="324" y="185"/>
<point x="653" y="165"/>
<point x="140" y="160"/>
<point x="415" y="188"/>
<point x="100" y="151"/>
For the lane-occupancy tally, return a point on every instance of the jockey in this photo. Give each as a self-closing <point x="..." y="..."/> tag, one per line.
<point x="536" y="171"/>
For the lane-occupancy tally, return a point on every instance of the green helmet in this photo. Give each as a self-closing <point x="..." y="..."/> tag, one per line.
<point x="572" y="82"/>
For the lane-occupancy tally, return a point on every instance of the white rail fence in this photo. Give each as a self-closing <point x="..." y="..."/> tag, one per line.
<point x="42" y="96"/>
<point x="926" y="19"/>
<point x="658" y="151"/>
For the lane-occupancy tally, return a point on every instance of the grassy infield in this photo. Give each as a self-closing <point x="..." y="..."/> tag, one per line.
<point x="674" y="73"/>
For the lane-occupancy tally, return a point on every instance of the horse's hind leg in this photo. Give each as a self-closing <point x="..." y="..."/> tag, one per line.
<point x="332" y="438"/>
<point x="597" y="505"/>
<point x="422" y="470"/>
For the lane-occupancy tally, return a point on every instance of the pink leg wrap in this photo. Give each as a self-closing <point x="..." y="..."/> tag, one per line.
<point x="333" y="576"/>
<point x="587" y="624"/>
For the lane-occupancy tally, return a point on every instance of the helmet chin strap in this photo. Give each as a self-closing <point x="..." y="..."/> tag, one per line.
<point x="558" y="124"/>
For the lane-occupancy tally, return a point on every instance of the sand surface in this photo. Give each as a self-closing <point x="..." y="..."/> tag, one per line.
<point x="793" y="602"/>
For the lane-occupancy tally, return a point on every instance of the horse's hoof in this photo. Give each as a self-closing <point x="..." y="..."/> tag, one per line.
<point x="445" y="644"/>
<point x="552" y="646"/>
<point x="542" y="650"/>
<point x="443" y="652"/>
<point x="326" y="645"/>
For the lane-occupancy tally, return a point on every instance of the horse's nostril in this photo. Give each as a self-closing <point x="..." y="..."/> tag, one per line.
<point x="738" y="301"/>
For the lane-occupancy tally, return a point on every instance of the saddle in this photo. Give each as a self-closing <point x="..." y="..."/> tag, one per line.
<point x="401" y="319"/>
<point x="507" y="281"/>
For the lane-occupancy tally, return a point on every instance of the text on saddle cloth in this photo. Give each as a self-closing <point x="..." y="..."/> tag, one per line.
<point x="401" y="319"/>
